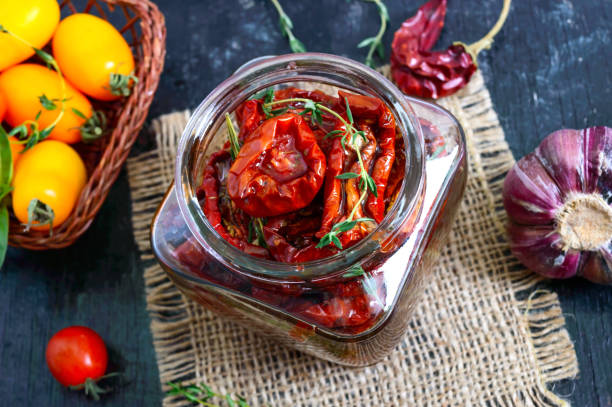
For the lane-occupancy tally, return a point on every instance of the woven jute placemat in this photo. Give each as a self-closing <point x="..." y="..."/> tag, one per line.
<point x="480" y="336"/>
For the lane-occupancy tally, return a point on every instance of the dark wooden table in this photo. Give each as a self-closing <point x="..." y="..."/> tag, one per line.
<point x="549" y="69"/>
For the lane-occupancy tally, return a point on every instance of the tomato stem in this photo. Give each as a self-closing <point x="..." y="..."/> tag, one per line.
<point x="91" y="386"/>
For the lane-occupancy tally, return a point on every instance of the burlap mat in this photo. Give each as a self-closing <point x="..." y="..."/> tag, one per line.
<point x="477" y="338"/>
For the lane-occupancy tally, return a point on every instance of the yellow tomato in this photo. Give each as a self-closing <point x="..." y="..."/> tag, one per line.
<point x="32" y="20"/>
<point x="24" y="84"/>
<point x="49" y="189"/>
<point x="55" y="157"/>
<point x="88" y="50"/>
<point x="51" y="172"/>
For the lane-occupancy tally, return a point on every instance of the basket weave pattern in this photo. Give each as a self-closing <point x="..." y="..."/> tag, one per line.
<point x="144" y="28"/>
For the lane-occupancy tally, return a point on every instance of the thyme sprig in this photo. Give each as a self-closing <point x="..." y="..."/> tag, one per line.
<point x="202" y="393"/>
<point x="375" y="42"/>
<point x="286" y="26"/>
<point x="256" y="224"/>
<point x="352" y="135"/>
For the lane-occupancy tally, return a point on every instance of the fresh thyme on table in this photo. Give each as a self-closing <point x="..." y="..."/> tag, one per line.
<point x="201" y="394"/>
<point x="286" y="26"/>
<point x="374" y="43"/>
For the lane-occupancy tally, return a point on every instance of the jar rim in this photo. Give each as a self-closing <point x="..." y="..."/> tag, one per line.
<point x="215" y="105"/>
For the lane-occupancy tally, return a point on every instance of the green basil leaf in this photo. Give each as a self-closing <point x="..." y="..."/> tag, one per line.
<point x="346" y="226"/>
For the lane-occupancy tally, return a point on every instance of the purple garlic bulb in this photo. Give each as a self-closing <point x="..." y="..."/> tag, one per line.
<point x="559" y="201"/>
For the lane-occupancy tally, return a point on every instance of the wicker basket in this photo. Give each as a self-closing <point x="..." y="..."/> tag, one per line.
<point x="143" y="26"/>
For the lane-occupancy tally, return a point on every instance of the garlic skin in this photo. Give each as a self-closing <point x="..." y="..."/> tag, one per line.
<point x="559" y="203"/>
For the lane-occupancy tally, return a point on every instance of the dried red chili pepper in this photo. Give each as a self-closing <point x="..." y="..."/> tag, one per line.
<point x="421" y="31"/>
<point x="434" y="74"/>
<point x="280" y="168"/>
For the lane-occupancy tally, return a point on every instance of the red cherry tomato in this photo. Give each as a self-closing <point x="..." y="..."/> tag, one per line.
<point x="280" y="168"/>
<point x="75" y="354"/>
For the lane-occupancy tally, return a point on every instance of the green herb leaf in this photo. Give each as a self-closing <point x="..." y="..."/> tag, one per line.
<point x="371" y="185"/>
<point x="366" y="42"/>
<point x="354" y="271"/>
<point x="333" y="133"/>
<point x="336" y="241"/>
<point x="46" y="102"/>
<point x="78" y="113"/>
<point x="47" y="58"/>
<point x="347" y="175"/>
<point x="233" y="137"/>
<point x="20" y="131"/>
<point x="349" y="114"/>
<point x="380" y="50"/>
<point x="382" y="8"/>
<point x="325" y="240"/>
<point x="345" y="226"/>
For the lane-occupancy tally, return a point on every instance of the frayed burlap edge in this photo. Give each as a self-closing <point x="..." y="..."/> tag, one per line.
<point x="541" y="319"/>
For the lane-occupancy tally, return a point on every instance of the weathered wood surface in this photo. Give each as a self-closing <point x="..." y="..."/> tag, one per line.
<point x="548" y="69"/>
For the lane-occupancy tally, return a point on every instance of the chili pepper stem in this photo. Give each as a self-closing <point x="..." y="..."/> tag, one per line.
<point x="486" y="41"/>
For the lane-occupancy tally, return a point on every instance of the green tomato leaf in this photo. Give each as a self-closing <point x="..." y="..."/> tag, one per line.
<point x="4" y="231"/>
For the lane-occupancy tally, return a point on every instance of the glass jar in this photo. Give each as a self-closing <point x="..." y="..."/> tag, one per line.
<point x="330" y="308"/>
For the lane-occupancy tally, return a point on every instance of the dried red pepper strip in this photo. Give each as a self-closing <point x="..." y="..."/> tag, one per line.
<point x="210" y="188"/>
<point x="382" y="165"/>
<point x="332" y="188"/>
<point x="396" y="176"/>
<point x="421" y="31"/>
<point x="352" y="188"/>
